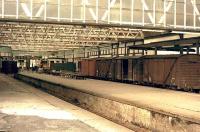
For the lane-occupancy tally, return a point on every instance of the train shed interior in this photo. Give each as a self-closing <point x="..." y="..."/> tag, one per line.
<point x="99" y="65"/>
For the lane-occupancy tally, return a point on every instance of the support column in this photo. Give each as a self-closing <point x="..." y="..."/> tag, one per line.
<point x="73" y="56"/>
<point x="84" y="52"/>
<point x="181" y="50"/>
<point x="125" y="49"/>
<point x="99" y="51"/>
<point x="112" y="50"/>
<point x="128" y="51"/>
<point x="156" y="51"/>
<point x="117" y="55"/>
<point x="64" y="55"/>
<point x="188" y="50"/>
<point x="198" y="48"/>
<point x="143" y="51"/>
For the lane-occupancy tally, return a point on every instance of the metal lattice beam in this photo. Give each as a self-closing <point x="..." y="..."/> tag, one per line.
<point x="49" y="37"/>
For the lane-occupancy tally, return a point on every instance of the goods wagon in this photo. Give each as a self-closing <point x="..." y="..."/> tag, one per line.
<point x="174" y="71"/>
<point x="135" y="70"/>
<point x="69" y="66"/>
<point x="9" y="67"/>
<point x="129" y="69"/>
<point x="180" y="71"/>
<point x="87" y="68"/>
<point x="116" y="69"/>
<point x="92" y="68"/>
<point x="83" y="67"/>
<point x="106" y="68"/>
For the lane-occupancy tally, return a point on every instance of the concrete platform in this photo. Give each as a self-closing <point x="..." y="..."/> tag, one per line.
<point x="26" y="109"/>
<point x="130" y="105"/>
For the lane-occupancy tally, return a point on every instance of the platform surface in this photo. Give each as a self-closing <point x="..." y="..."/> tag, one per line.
<point x="183" y="104"/>
<point x="24" y="108"/>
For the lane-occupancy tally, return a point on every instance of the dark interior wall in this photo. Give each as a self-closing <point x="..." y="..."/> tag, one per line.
<point x="125" y="68"/>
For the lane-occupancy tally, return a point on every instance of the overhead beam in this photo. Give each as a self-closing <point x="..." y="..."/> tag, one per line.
<point x="171" y="43"/>
<point x="26" y="34"/>
<point x="102" y="25"/>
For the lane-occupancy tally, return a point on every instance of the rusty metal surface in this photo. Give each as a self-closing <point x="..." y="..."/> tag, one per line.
<point x="137" y="70"/>
<point x="112" y="70"/>
<point x="103" y="68"/>
<point x="187" y="72"/>
<point x="119" y="70"/>
<point x="156" y="70"/>
<point x="182" y="72"/>
<point x="130" y="70"/>
<point x="84" y="68"/>
<point x="92" y="68"/>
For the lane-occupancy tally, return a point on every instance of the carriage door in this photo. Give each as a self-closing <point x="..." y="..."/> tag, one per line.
<point x="125" y="69"/>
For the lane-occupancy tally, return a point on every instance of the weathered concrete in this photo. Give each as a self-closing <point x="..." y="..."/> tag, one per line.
<point x="123" y="112"/>
<point x="26" y="109"/>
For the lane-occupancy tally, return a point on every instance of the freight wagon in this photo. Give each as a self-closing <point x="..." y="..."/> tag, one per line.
<point x="116" y="69"/>
<point x="105" y="69"/>
<point x="9" y="67"/>
<point x="177" y="71"/>
<point x="123" y="69"/>
<point x="68" y="66"/>
<point x="174" y="71"/>
<point x="87" y="67"/>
